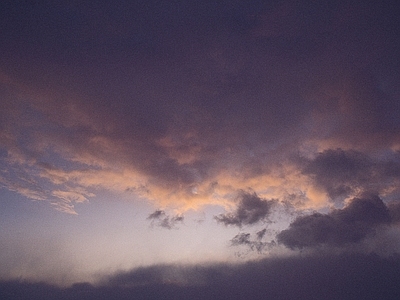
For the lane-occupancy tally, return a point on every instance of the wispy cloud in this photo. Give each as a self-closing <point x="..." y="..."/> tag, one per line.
<point x="254" y="244"/>
<point x="161" y="219"/>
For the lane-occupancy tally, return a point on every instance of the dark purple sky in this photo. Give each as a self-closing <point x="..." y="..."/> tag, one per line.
<point x="204" y="133"/>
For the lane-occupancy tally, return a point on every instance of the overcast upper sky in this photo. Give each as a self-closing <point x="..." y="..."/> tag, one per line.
<point x="150" y="147"/>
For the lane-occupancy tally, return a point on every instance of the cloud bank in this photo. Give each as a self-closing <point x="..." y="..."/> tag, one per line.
<point x="345" y="276"/>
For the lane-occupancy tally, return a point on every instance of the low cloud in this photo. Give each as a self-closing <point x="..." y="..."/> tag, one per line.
<point x="160" y="219"/>
<point x="251" y="209"/>
<point x="340" y="227"/>
<point x="345" y="276"/>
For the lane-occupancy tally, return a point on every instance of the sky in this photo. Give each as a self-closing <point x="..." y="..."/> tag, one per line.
<point x="201" y="149"/>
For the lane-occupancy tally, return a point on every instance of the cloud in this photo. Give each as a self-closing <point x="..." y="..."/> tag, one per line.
<point x="394" y="210"/>
<point x="345" y="276"/>
<point x="39" y="180"/>
<point x="185" y="103"/>
<point x="241" y="239"/>
<point x="250" y="210"/>
<point x="141" y="122"/>
<point x="244" y="239"/>
<point x="203" y="94"/>
<point x="341" y="227"/>
<point x="161" y="219"/>
<point x="346" y="172"/>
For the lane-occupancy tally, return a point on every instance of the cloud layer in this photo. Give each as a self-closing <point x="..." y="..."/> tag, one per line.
<point x="184" y="104"/>
<point x="346" y="276"/>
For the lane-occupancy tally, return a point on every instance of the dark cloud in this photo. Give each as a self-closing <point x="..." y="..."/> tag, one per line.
<point x="344" y="172"/>
<point x="355" y="111"/>
<point x="244" y="239"/>
<point x="260" y="234"/>
<point x="241" y="239"/>
<point x="346" y="276"/>
<point x="179" y="93"/>
<point x="340" y="227"/>
<point x="394" y="210"/>
<point x="161" y="219"/>
<point x="251" y="209"/>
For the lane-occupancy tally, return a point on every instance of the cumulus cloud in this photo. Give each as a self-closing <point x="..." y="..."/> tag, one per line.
<point x="161" y="219"/>
<point x="250" y="210"/>
<point x="341" y="227"/>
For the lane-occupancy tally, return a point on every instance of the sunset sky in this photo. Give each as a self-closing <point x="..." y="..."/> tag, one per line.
<point x="197" y="146"/>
